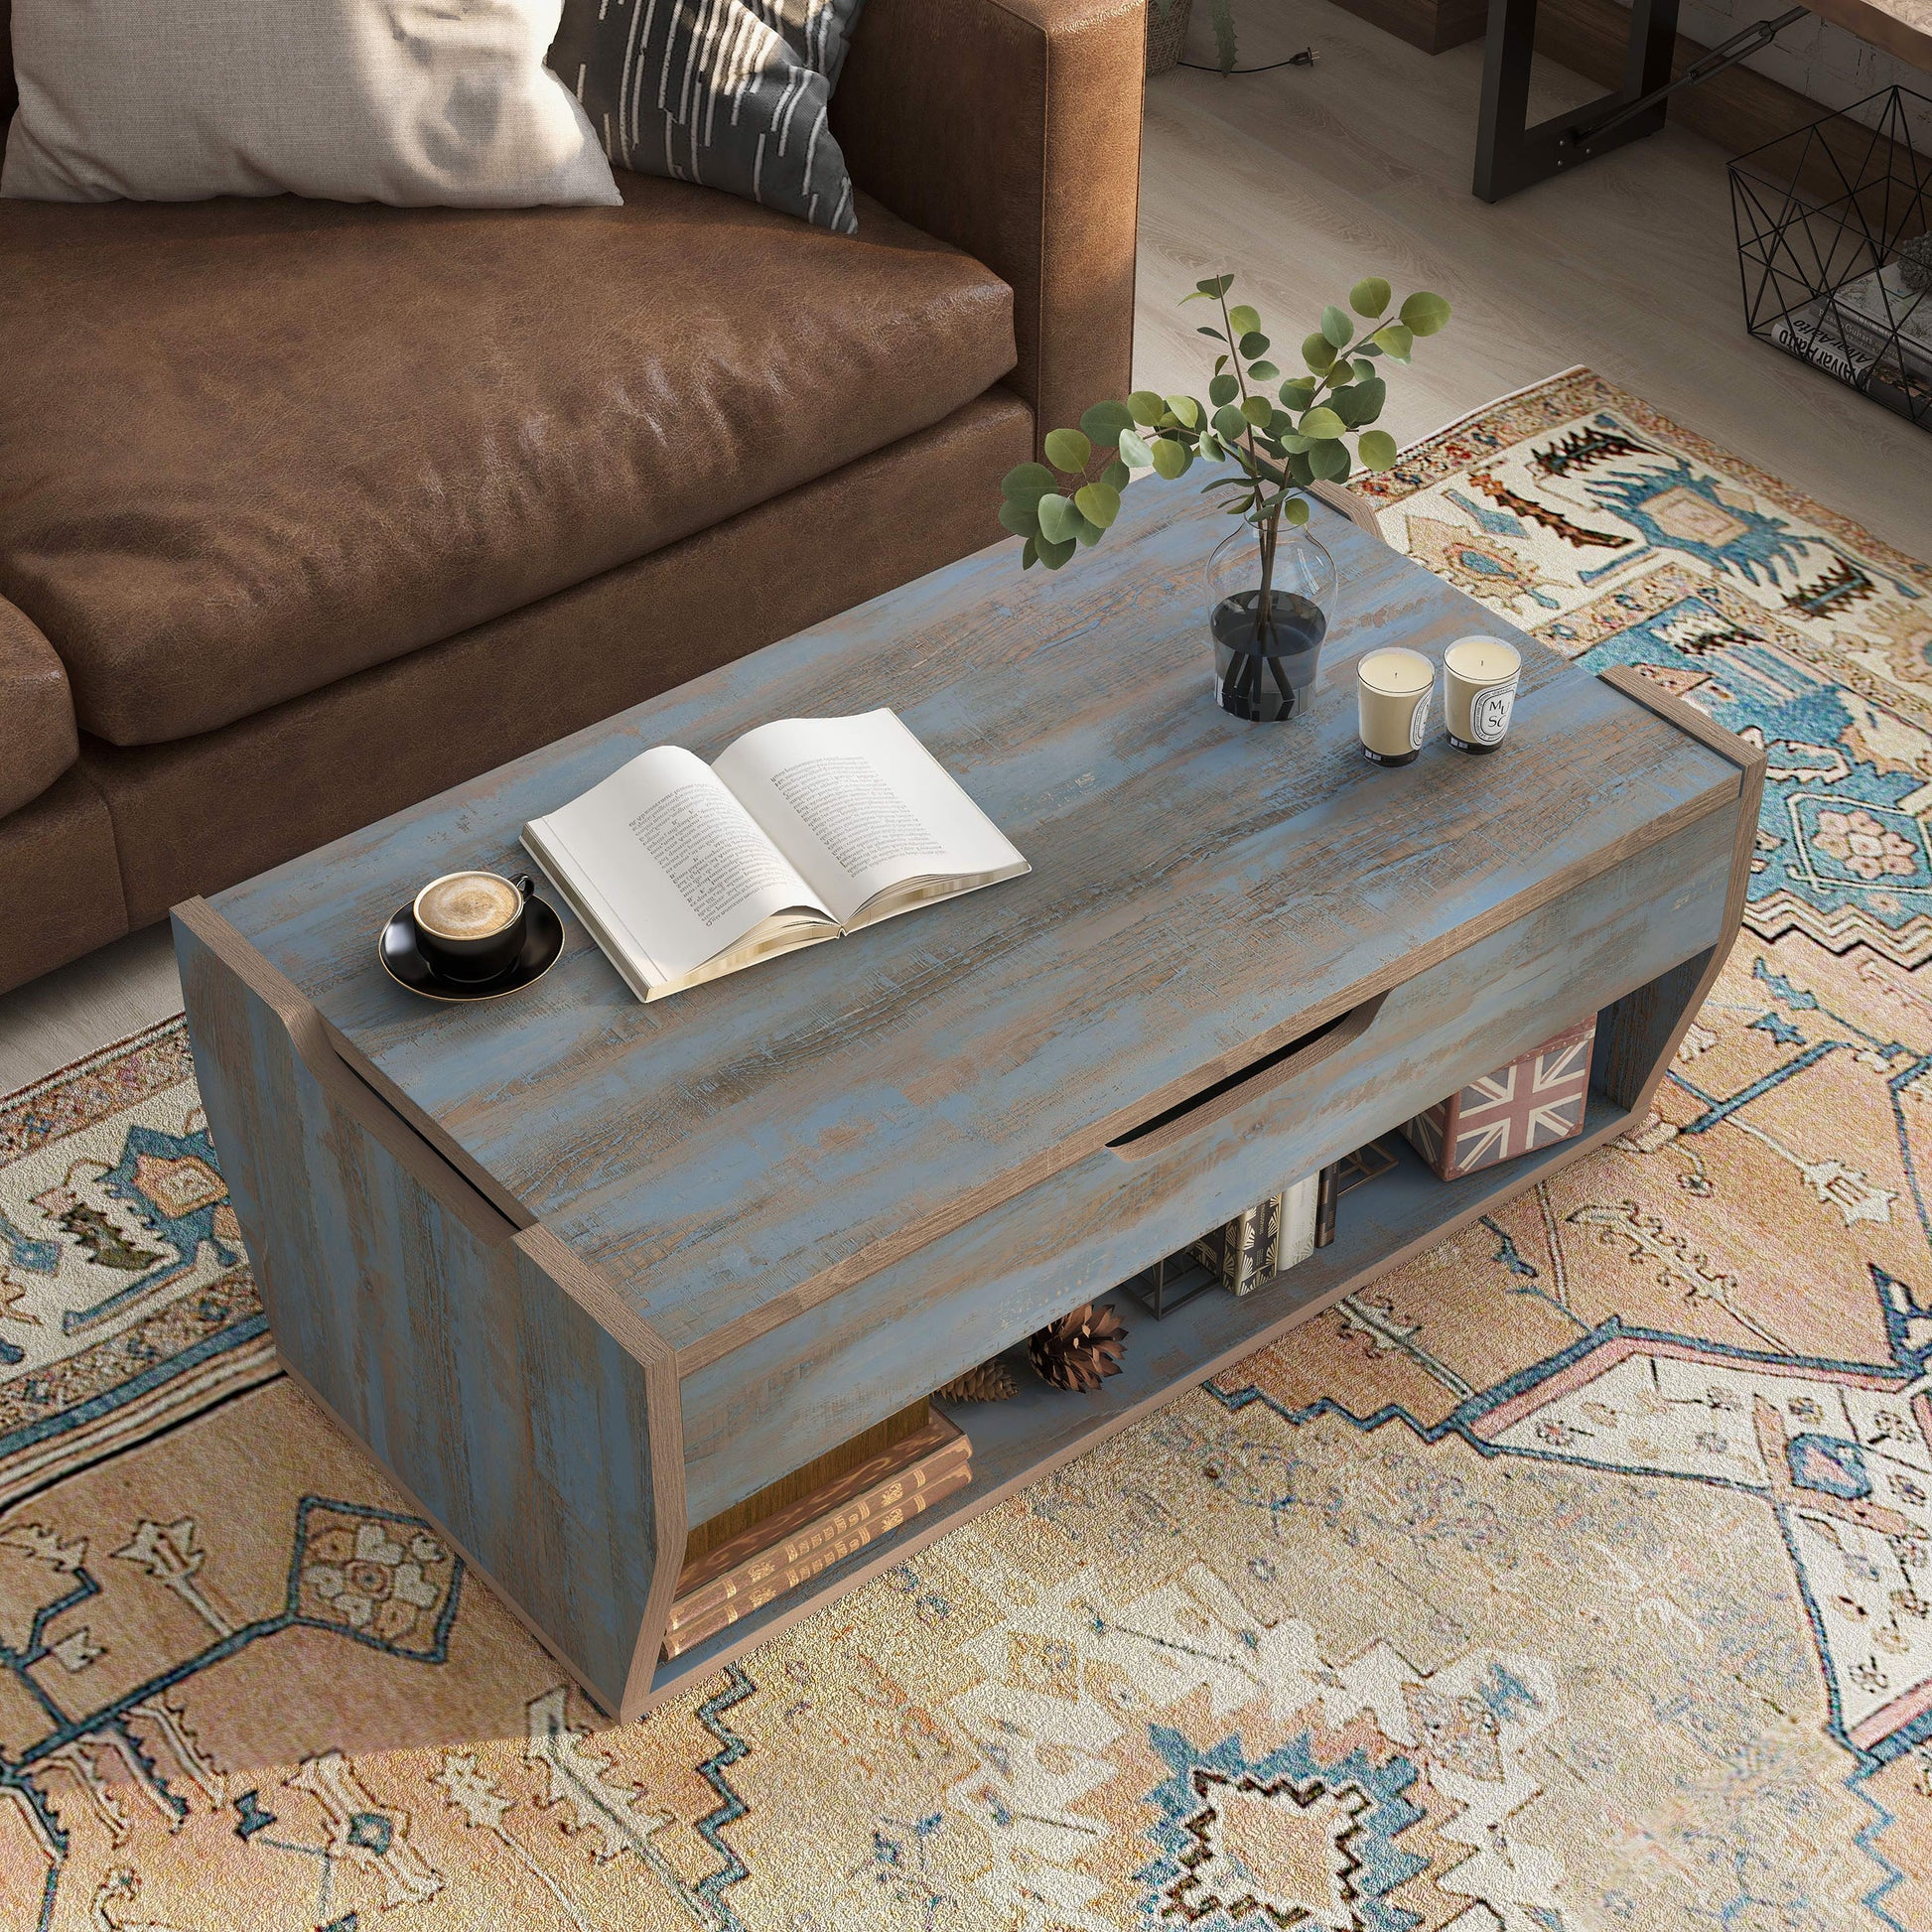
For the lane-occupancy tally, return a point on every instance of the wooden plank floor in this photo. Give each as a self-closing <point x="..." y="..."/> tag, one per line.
<point x="1300" y="179"/>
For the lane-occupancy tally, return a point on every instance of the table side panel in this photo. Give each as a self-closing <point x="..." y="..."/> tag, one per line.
<point x="1201" y="888"/>
<point x="513" y="1418"/>
<point x="833" y="1368"/>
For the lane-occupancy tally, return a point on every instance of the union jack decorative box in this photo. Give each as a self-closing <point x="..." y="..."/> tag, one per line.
<point x="1532" y="1102"/>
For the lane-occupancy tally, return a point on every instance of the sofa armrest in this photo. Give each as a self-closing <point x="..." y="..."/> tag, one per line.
<point x="1012" y="129"/>
<point x="38" y="741"/>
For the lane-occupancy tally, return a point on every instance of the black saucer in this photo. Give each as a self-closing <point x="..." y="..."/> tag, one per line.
<point x="402" y="959"/>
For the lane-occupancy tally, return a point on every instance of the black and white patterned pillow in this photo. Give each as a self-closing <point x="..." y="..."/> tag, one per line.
<point x="729" y="92"/>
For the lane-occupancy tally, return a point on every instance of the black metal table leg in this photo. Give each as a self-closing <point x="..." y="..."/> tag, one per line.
<point x="1510" y="154"/>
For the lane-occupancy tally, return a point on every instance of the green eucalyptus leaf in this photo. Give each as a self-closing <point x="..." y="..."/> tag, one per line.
<point x="1424" y="314"/>
<point x="1296" y="510"/>
<point x="1336" y="327"/>
<point x="1243" y="319"/>
<point x="1262" y="372"/>
<point x="1365" y="368"/>
<point x="1319" y="352"/>
<point x="1229" y="424"/>
<point x="1321" y="423"/>
<point x="1376" y="448"/>
<point x="1297" y="391"/>
<point x="1371" y="394"/>
<point x="1369" y="296"/>
<point x="1068" y="448"/>
<point x="1330" y="461"/>
<point x="1027" y="482"/>
<point x="1098" y="503"/>
<point x="1187" y="411"/>
<point x="1053" y="555"/>
<point x="1147" y="406"/>
<point x="1297" y="468"/>
<point x="1212" y="335"/>
<point x="1090" y="533"/>
<point x="1030" y="555"/>
<point x="1296" y="445"/>
<point x="1133" y="449"/>
<point x="1170" y="459"/>
<point x="1345" y="402"/>
<point x="1104" y="421"/>
<point x="1023" y="519"/>
<point x="1117" y="476"/>
<point x="1058" y="520"/>
<point x="1224" y="389"/>
<point x="1210" y="447"/>
<point x="1259" y="411"/>
<point x="1254" y="343"/>
<point x="1214" y="288"/>
<point x="1395" y="340"/>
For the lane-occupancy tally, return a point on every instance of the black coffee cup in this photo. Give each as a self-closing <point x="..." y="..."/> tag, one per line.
<point x="470" y="925"/>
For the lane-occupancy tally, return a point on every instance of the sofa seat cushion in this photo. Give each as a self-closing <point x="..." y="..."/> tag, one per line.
<point x="248" y="448"/>
<point x="38" y="741"/>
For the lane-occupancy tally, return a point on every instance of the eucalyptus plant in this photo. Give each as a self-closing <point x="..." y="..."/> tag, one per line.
<point x="1276" y="435"/>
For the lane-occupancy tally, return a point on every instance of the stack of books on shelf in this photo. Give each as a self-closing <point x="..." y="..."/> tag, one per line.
<point x="794" y="1544"/>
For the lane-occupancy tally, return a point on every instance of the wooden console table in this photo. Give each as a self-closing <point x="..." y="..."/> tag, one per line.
<point x="583" y="1272"/>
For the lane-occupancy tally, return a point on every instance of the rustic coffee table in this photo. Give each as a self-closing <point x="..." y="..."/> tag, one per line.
<point x="584" y="1273"/>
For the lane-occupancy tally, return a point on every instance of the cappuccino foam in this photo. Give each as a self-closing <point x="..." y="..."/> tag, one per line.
<point x="468" y="906"/>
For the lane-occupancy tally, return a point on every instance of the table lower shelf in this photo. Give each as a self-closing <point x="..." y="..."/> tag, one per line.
<point x="1016" y="1442"/>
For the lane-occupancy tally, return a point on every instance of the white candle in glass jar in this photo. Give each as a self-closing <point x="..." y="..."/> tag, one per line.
<point x="1392" y="692"/>
<point x="1479" y="694"/>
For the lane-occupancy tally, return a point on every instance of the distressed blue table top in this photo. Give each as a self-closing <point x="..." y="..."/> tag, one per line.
<point x="1198" y="885"/>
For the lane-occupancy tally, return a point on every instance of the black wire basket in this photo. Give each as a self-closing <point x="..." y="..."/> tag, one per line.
<point x="1833" y="226"/>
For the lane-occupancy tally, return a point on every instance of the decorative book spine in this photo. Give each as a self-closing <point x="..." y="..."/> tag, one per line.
<point x="1249" y="1251"/>
<point x="1327" y="1192"/>
<point x="796" y="1543"/>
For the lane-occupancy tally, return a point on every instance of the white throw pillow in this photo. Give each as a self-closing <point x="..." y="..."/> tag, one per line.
<point x="415" y="102"/>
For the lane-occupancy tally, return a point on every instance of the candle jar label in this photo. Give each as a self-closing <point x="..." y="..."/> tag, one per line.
<point x="1489" y="714"/>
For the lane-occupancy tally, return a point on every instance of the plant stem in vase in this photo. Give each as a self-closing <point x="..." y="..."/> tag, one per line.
<point x="1272" y="599"/>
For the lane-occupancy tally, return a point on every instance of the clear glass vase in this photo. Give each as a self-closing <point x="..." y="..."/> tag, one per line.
<point x="1268" y="623"/>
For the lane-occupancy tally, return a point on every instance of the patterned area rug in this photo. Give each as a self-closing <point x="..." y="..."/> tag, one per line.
<point x="1577" y="1578"/>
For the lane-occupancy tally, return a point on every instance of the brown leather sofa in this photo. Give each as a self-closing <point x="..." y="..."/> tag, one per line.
<point x="309" y="511"/>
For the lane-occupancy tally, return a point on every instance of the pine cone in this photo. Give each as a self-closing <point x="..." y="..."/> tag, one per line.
<point x="1079" y="1351"/>
<point x="990" y="1382"/>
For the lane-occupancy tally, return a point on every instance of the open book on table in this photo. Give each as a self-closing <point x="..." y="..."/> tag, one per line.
<point x="802" y="830"/>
